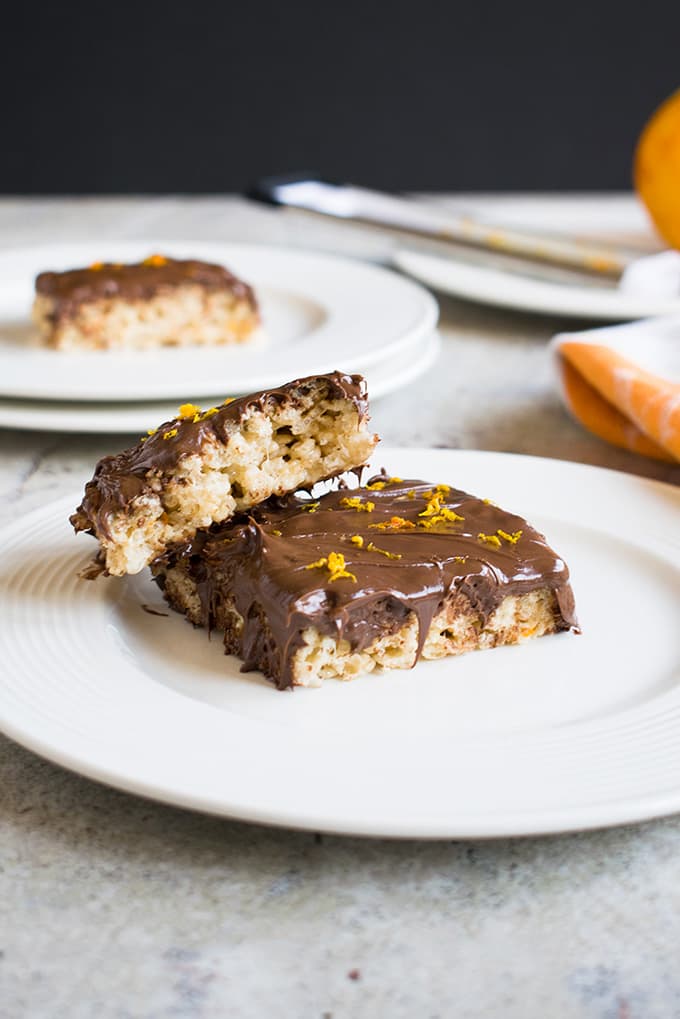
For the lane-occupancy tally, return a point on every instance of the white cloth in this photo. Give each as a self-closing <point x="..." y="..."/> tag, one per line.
<point x="653" y="276"/>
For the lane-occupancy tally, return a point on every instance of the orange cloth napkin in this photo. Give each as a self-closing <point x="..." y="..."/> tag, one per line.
<point x="623" y="384"/>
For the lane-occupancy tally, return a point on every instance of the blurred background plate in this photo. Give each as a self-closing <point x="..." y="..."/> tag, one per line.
<point x="386" y="376"/>
<point x="318" y="312"/>
<point x="520" y="291"/>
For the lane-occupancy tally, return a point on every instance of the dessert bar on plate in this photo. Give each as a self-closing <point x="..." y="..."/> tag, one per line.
<point x="308" y="586"/>
<point x="307" y="589"/>
<point x="155" y="303"/>
<point x="204" y="466"/>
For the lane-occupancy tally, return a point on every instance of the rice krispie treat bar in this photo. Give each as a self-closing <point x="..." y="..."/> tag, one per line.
<point x="204" y="466"/>
<point x="305" y="590"/>
<point x="155" y="303"/>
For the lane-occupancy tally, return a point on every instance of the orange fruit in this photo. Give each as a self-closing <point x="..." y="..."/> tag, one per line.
<point x="656" y="169"/>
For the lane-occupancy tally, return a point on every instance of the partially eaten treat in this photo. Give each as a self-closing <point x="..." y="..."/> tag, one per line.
<point x="307" y="589"/>
<point x="159" y="302"/>
<point x="204" y="466"/>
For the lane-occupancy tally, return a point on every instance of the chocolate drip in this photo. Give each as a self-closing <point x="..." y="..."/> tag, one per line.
<point x="263" y="561"/>
<point x="138" y="282"/>
<point x="120" y="479"/>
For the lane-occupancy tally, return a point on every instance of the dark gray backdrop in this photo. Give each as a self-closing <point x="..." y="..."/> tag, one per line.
<point x="209" y="96"/>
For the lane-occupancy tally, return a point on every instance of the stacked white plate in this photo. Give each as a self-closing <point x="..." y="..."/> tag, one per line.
<point x="320" y="314"/>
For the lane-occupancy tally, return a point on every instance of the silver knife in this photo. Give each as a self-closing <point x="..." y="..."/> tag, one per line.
<point x="350" y="202"/>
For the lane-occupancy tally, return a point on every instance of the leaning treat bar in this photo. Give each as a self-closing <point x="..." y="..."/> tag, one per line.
<point x="307" y="589"/>
<point x="204" y="466"/>
<point x="155" y="303"/>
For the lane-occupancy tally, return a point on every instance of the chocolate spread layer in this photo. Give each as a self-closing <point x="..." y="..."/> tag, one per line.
<point x="120" y="479"/>
<point x="137" y="282"/>
<point x="405" y="546"/>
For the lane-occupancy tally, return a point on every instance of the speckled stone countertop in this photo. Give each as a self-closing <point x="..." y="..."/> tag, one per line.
<point x="119" y="908"/>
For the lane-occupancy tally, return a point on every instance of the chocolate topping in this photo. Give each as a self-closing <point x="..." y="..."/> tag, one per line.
<point x="138" y="282"/>
<point x="403" y="543"/>
<point x="120" y="479"/>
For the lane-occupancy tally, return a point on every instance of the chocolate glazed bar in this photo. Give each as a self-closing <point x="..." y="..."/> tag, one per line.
<point x="395" y="571"/>
<point x="203" y="466"/>
<point x="155" y="303"/>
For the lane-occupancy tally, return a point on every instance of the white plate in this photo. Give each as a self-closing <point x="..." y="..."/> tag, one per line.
<point x="90" y="418"/>
<point x="566" y="732"/>
<point x="488" y="285"/>
<point x="317" y="310"/>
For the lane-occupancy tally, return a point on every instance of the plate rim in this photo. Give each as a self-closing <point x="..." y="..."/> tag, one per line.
<point x="549" y="298"/>
<point x="498" y="825"/>
<point x="18" y="417"/>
